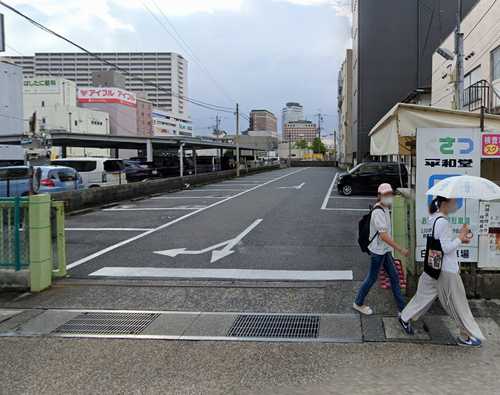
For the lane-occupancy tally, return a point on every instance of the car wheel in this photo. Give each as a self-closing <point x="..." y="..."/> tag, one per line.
<point x="347" y="190"/>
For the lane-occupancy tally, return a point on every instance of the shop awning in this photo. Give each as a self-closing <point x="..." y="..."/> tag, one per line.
<point x="395" y="133"/>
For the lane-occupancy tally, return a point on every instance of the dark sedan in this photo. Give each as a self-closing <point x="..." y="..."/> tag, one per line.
<point x="367" y="176"/>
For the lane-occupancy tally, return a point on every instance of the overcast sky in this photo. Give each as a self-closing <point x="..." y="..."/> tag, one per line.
<point x="262" y="53"/>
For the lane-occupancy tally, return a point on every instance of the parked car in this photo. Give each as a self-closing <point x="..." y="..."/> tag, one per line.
<point x="18" y="180"/>
<point x="135" y="171"/>
<point x="15" y="181"/>
<point x="367" y="176"/>
<point x="96" y="172"/>
<point x="59" y="179"/>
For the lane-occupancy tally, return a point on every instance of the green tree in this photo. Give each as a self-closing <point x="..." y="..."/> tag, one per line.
<point x="317" y="146"/>
<point x="301" y="144"/>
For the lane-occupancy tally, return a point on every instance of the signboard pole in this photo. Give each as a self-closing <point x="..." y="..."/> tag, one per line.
<point x="2" y="34"/>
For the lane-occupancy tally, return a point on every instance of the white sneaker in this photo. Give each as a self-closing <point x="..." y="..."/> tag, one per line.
<point x="366" y="310"/>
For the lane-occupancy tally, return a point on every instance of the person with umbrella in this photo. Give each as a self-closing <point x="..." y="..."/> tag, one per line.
<point x="441" y="277"/>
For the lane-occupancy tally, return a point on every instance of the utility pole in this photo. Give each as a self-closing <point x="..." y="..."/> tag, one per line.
<point x="237" y="140"/>
<point x="459" y="53"/>
<point x="320" y="119"/>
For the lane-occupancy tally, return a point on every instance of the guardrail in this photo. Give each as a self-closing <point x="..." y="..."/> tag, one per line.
<point x="32" y="242"/>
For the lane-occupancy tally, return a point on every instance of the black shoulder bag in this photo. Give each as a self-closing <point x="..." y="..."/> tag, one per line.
<point x="433" y="261"/>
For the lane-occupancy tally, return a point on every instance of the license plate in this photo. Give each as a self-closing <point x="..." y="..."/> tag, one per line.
<point x="154" y="172"/>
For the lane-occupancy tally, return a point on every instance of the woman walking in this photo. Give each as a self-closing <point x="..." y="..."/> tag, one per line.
<point x="381" y="247"/>
<point x="448" y="286"/>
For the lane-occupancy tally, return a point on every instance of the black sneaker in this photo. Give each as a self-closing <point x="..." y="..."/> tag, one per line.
<point x="406" y="326"/>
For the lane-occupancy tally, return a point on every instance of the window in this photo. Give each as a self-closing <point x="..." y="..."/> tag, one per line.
<point x="495" y="64"/>
<point x="81" y="166"/>
<point x="370" y="168"/>
<point x="43" y="103"/>
<point x="472" y="95"/>
<point x="113" y="165"/>
<point x="65" y="175"/>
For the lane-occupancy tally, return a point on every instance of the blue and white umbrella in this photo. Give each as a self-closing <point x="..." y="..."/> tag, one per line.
<point x="466" y="187"/>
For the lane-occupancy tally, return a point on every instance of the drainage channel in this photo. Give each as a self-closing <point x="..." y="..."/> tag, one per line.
<point x="344" y="328"/>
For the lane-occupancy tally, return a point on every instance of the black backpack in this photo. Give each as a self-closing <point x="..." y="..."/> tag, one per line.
<point x="364" y="230"/>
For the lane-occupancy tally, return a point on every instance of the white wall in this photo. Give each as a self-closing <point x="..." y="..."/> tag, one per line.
<point x="481" y="30"/>
<point x="11" y="99"/>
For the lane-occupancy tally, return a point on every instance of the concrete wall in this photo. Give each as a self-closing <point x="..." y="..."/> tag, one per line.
<point x="94" y="197"/>
<point x="11" y="99"/>
<point x="314" y="163"/>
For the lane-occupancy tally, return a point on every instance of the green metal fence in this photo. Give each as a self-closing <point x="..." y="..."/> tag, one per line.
<point x="14" y="237"/>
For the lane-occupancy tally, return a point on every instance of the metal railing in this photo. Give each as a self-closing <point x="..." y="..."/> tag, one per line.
<point x="14" y="237"/>
<point x="477" y="96"/>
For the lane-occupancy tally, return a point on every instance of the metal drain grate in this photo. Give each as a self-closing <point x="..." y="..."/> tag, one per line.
<point x="107" y="324"/>
<point x="292" y="326"/>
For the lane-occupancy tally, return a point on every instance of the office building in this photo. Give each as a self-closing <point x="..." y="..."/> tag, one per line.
<point x="299" y="130"/>
<point x="11" y="99"/>
<point x="162" y="76"/>
<point x="344" y="103"/>
<point x="393" y="45"/>
<point x="168" y="124"/>
<point x="481" y="65"/>
<point x="120" y="104"/>
<point x="109" y="78"/>
<point x="262" y="123"/>
<point x="291" y="113"/>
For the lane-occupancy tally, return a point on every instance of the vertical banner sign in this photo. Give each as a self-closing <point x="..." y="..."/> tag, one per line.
<point x="443" y="153"/>
<point x="490" y="145"/>
<point x="2" y="34"/>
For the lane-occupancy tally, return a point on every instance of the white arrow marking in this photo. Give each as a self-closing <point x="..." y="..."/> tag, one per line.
<point x="216" y="254"/>
<point x="294" y="187"/>
<point x="178" y="251"/>
<point x="227" y="250"/>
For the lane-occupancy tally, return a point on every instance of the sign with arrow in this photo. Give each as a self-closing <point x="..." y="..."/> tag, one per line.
<point x="217" y="252"/>
<point x="293" y="187"/>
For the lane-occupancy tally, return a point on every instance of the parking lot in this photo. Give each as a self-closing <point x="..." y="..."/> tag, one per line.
<point x="273" y="225"/>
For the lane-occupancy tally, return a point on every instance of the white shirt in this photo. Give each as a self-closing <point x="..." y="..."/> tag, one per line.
<point x="380" y="222"/>
<point x="444" y="233"/>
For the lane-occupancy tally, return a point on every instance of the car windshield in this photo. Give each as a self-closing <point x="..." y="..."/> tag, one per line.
<point x="355" y="168"/>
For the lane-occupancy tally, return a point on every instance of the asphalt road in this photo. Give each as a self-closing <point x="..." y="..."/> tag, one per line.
<point x="290" y="219"/>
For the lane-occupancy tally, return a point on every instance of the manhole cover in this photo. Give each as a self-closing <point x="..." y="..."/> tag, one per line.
<point x="107" y="324"/>
<point x="292" y="326"/>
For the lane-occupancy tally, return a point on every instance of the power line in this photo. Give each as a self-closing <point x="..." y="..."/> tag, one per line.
<point x="185" y="46"/>
<point x="196" y="102"/>
<point x="480" y="19"/>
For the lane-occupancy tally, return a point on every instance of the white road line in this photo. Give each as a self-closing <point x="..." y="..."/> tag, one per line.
<point x="110" y="229"/>
<point x="236" y="184"/>
<point x="216" y="190"/>
<point x="235" y="274"/>
<point x="153" y="208"/>
<point x="346" y="209"/>
<point x="166" y="225"/>
<point x="352" y="197"/>
<point x="188" y="197"/>
<point x="325" y="201"/>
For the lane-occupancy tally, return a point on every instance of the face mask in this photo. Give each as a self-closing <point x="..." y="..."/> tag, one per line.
<point x="452" y="208"/>
<point x="387" y="201"/>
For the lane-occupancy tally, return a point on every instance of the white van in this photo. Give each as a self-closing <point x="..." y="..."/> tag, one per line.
<point x="96" y="172"/>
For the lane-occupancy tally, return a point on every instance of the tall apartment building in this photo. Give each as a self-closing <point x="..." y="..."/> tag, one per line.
<point x="165" y="71"/>
<point x="263" y="121"/>
<point x="291" y="113"/>
<point x="344" y="103"/>
<point x="393" y="45"/>
<point x="299" y="130"/>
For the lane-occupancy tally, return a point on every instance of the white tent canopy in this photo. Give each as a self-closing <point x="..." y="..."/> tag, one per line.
<point x="399" y="125"/>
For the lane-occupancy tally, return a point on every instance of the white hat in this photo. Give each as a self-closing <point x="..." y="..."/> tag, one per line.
<point x="385" y="188"/>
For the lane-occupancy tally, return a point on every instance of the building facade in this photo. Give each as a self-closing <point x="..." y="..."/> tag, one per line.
<point x="263" y="121"/>
<point x="167" y="124"/>
<point x="162" y="76"/>
<point x="299" y="130"/>
<point x="291" y="113"/>
<point x="393" y="45"/>
<point x="11" y="99"/>
<point x="144" y="117"/>
<point x="344" y="103"/>
<point x="51" y="101"/>
<point x="481" y="30"/>
<point x="120" y="104"/>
